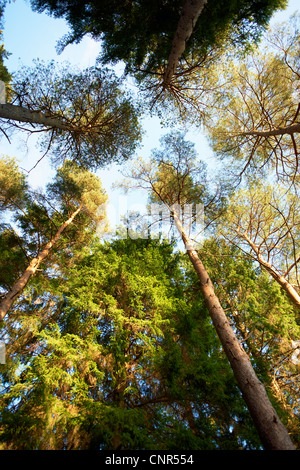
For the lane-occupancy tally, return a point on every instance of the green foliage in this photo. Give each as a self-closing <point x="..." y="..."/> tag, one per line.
<point x="75" y="185"/>
<point x="111" y="347"/>
<point x="72" y="187"/>
<point x="121" y="355"/>
<point x="140" y="33"/>
<point x="13" y="260"/>
<point x="267" y="216"/>
<point x="265" y="321"/>
<point x="174" y="175"/>
<point x="36" y="217"/>
<point x="13" y="184"/>
<point x="13" y="194"/>
<point x="5" y="76"/>
<point x="181" y="178"/>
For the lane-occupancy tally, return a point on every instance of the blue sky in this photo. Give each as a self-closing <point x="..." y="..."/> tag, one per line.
<point x="27" y="36"/>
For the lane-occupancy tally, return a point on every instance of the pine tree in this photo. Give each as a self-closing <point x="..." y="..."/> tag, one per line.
<point x="263" y="221"/>
<point x="271" y="430"/>
<point x="85" y="116"/>
<point x="254" y="115"/>
<point x="121" y="355"/>
<point x="141" y="34"/>
<point x="76" y="191"/>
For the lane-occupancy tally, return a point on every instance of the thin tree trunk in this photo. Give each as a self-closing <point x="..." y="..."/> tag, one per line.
<point x="20" y="284"/>
<point x="273" y="434"/>
<point x="18" y="113"/>
<point x="190" y="13"/>
<point x="293" y="128"/>
<point x="288" y="288"/>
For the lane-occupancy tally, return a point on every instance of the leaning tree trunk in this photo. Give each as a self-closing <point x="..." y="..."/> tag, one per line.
<point x="20" y="284"/>
<point x="18" y="113"/>
<point x="273" y="434"/>
<point x="190" y="13"/>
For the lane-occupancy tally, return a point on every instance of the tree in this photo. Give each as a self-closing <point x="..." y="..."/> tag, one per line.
<point x="263" y="320"/>
<point x="75" y="190"/>
<point x="120" y="355"/>
<point x="263" y="222"/>
<point x="167" y="47"/>
<point x="142" y="34"/>
<point x="271" y="430"/>
<point x="187" y="21"/>
<point x="255" y="110"/>
<point x="183" y="181"/>
<point x="84" y="115"/>
<point x="126" y="345"/>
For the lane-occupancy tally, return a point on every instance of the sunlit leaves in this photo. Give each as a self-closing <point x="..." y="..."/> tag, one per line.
<point x="13" y="184"/>
<point x="268" y="216"/>
<point x="255" y="120"/>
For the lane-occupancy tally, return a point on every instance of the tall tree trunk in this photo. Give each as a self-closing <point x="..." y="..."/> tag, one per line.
<point x="20" y="284"/>
<point x="18" y="113"/>
<point x="288" y="288"/>
<point x="190" y="13"/>
<point x="273" y="434"/>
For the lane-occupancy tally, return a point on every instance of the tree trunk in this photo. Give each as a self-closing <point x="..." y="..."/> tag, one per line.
<point x="20" y="284"/>
<point x="190" y="13"/>
<point x="273" y="434"/>
<point x="18" y="113"/>
<point x="288" y="288"/>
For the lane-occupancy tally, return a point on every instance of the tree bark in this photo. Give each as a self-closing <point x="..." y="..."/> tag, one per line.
<point x="190" y="13"/>
<point x="20" y="284"/>
<point x="18" y="113"/>
<point x="288" y="288"/>
<point x="273" y="434"/>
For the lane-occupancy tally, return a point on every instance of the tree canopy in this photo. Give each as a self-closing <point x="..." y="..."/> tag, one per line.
<point x="140" y="33"/>
<point x="171" y="185"/>
<point x="183" y="338"/>
<point x="75" y="194"/>
<point x="264" y="223"/>
<point x="84" y="115"/>
<point x="254" y="117"/>
<point x="129" y="368"/>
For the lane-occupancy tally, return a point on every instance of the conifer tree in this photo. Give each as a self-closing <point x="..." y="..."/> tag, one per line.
<point x="116" y="357"/>
<point x="83" y="115"/>
<point x="141" y="33"/>
<point x="75" y="191"/>
<point x="154" y="177"/>
<point x="133" y="344"/>
<point x="263" y="221"/>
<point x="253" y="120"/>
